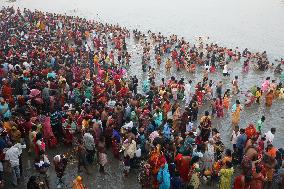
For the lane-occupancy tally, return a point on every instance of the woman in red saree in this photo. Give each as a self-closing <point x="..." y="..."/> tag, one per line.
<point x="258" y="178"/>
<point x="183" y="163"/>
<point x="48" y="133"/>
<point x="174" y="54"/>
<point x="219" y="107"/>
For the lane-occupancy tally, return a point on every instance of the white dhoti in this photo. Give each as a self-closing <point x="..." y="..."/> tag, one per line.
<point x="187" y="98"/>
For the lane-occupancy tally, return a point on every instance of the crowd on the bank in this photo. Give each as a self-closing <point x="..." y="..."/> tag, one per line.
<point x="64" y="81"/>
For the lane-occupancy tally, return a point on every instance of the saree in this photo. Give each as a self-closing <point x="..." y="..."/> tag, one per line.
<point x="226" y="177"/>
<point x="236" y="115"/>
<point x="155" y="167"/>
<point x="268" y="99"/>
<point x="184" y="168"/>
<point x="226" y="103"/>
<point x="219" y="108"/>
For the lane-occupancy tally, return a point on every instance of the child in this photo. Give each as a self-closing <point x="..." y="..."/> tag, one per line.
<point x="258" y="94"/>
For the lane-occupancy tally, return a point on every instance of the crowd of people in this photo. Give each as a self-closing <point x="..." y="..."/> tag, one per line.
<point x="65" y="81"/>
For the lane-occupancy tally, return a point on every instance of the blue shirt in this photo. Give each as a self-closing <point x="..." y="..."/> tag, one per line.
<point x="52" y="61"/>
<point x="167" y="131"/>
<point x="5" y="107"/>
<point x="241" y="141"/>
<point x="3" y="144"/>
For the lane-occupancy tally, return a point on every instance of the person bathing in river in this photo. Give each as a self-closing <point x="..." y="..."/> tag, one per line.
<point x="236" y="111"/>
<point x="265" y="85"/>
<point x="168" y="65"/>
<point x="278" y="69"/>
<point x="235" y="84"/>
<point x="269" y="98"/>
<point x="246" y="66"/>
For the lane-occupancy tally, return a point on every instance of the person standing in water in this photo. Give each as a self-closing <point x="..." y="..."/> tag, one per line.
<point x="259" y="124"/>
<point x="236" y="111"/>
<point x="226" y="70"/>
<point x="269" y="98"/>
<point x="187" y="92"/>
<point x="235" y="85"/>
<point x="265" y="85"/>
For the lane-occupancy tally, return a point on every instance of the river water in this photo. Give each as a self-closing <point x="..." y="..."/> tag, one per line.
<point x="255" y="24"/>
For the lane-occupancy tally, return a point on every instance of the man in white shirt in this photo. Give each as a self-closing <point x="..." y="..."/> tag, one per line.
<point x="226" y="70"/>
<point x="111" y="103"/>
<point x="90" y="146"/>
<point x="129" y="146"/>
<point x="187" y="92"/>
<point x="12" y="155"/>
<point x="270" y="135"/>
<point x="235" y="135"/>
<point x="128" y="125"/>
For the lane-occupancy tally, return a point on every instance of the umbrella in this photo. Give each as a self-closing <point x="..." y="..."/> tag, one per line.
<point x="34" y="92"/>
